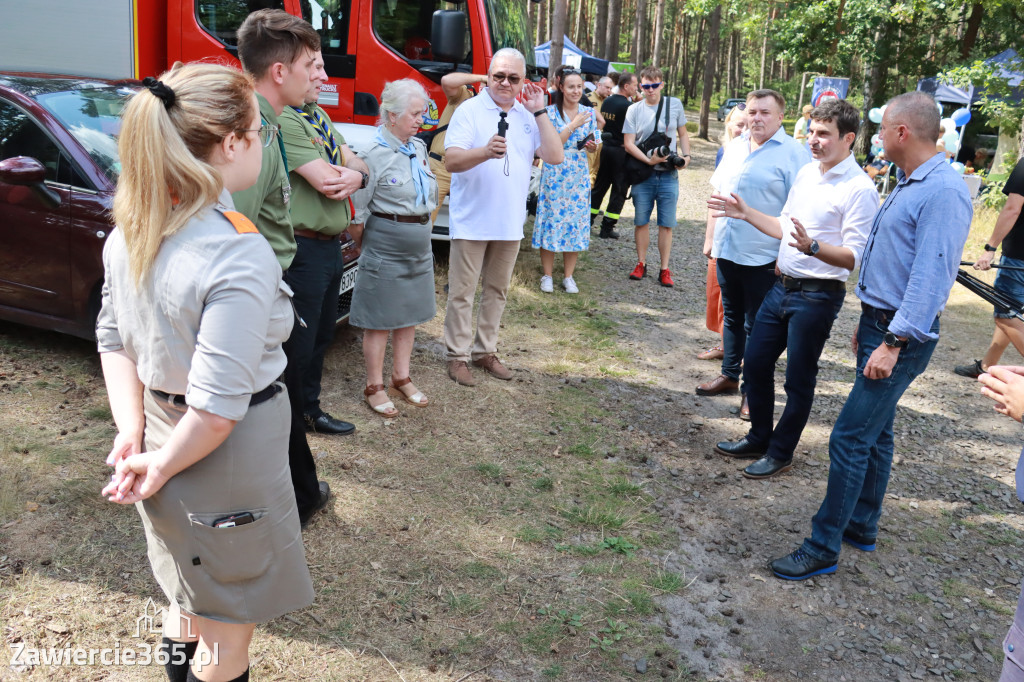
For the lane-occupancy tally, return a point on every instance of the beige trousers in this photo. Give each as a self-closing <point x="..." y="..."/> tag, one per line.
<point x="470" y="262"/>
<point x="444" y="184"/>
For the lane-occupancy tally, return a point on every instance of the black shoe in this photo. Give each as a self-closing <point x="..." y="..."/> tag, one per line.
<point x="972" y="371"/>
<point x="859" y="541"/>
<point x="608" y="230"/>
<point x="741" y="449"/>
<point x="325" y="423"/>
<point x="799" y="566"/>
<point x="766" y="467"/>
<point x="325" y="497"/>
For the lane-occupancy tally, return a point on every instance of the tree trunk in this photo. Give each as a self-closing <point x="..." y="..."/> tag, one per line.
<point x="557" y="34"/>
<point x="638" y="33"/>
<point x="600" y="28"/>
<point x="581" y="21"/>
<point x="971" y="34"/>
<point x="695" y="67"/>
<point x="764" y="56"/>
<point x="709" y="70"/>
<point x="542" y="24"/>
<point x="611" y="49"/>
<point x="659" y="20"/>
<point x="835" y="41"/>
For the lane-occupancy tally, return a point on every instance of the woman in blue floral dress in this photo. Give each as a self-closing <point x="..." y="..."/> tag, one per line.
<point x="563" y="207"/>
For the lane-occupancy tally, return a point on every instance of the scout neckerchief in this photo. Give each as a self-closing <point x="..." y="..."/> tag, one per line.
<point x="419" y="174"/>
<point x="325" y="130"/>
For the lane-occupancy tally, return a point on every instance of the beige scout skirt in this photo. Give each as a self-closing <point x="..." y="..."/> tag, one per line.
<point x="247" y="574"/>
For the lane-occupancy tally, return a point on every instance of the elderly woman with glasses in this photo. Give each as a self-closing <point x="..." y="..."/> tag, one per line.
<point x="394" y="289"/>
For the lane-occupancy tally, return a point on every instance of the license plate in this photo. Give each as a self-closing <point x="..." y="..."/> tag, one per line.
<point x="348" y="279"/>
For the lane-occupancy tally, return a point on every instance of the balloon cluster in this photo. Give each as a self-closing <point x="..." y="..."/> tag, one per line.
<point x="950" y="138"/>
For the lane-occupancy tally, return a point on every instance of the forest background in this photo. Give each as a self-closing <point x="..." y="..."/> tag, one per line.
<point x="712" y="50"/>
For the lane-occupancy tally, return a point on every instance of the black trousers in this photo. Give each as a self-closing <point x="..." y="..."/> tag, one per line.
<point x="610" y="176"/>
<point x="316" y="296"/>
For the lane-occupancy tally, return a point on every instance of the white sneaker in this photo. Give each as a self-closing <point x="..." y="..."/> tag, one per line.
<point x="570" y="286"/>
<point x="547" y="285"/>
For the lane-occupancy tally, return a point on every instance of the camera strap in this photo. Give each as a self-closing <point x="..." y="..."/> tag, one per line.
<point x="657" y="115"/>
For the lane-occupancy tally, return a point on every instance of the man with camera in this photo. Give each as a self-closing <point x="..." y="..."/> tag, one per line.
<point x="660" y="126"/>
<point x="489" y="149"/>
<point x="613" y="157"/>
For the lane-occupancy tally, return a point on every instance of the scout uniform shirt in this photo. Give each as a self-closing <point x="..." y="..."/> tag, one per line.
<point x="303" y="143"/>
<point x="266" y="202"/>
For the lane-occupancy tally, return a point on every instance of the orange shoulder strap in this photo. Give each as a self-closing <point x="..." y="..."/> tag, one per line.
<point x="241" y="224"/>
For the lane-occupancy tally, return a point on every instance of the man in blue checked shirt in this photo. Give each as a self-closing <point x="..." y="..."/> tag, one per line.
<point x="908" y="268"/>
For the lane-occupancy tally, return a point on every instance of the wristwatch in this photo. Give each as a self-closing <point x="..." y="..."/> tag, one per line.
<point x="366" y="179"/>
<point x="993" y="249"/>
<point x="813" y="249"/>
<point x="893" y="341"/>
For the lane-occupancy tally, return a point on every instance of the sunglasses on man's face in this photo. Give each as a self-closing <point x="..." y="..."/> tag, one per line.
<point x="511" y="78"/>
<point x="651" y="86"/>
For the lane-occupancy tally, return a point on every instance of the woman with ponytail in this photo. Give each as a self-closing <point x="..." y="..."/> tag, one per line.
<point x="194" y="313"/>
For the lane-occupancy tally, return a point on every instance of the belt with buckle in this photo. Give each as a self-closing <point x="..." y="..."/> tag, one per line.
<point x="320" y="236"/>
<point x="879" y="314"/>
<point x="257" y="397"/>
<point x="434" y="155"/>
<point x="797" y="284"/>
<point x="421" y="219"/>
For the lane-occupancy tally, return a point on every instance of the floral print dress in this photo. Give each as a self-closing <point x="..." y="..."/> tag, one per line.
<point x="563" y="206"/>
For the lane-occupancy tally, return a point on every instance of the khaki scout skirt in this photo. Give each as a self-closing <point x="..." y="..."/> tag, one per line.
<point x="247" y="574"/>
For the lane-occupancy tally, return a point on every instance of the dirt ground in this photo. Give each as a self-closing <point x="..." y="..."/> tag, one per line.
<point x="571" y="524"/>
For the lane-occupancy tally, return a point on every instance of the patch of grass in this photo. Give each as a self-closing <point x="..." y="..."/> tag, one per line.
<point x="100" y="412"/>
<point x="543" y="484"/>
<point x="595" y="516"/>
<point x="1002" y="537"/>
<point x="480" y="571"/>
<point x="10" y="494"/>
<point x="580" y="550"/>
<point x="641" y="601"/>
<point x="619" y="545"/>
<point x="953" y="588"/>
<point x="666" y="581"/>
<point x="994" y="607"/>
<point x="582" y="450"/>
<point x="529" y="533"/>
<point x="552" y="671"/>
<point x="539" y="639"/>
<point x="489" y="470"/>
<point x="464" y="604"/>
<point x="623" y="487"/>
<point x="919" y="598"/>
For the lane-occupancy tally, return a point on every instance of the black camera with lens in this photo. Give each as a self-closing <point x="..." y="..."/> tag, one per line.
<point x="659" y="144"/>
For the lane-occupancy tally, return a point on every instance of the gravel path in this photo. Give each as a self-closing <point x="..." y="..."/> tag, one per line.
<point x="937" y="597"/>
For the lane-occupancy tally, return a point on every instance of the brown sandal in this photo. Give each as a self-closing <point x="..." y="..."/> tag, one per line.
<point x="417" y="398"/>
<point x="385" y="409"/>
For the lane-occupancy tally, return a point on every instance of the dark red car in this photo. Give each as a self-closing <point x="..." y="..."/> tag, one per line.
<point x="58" y="171"/>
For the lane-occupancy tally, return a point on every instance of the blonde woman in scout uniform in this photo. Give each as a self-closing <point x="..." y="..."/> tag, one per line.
<point x="394" y="288"/>
<point x="190" y="335"/>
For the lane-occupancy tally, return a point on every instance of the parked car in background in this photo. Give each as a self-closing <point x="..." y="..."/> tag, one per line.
<point x="58" y="172"/>
<point x="724" y="110"/>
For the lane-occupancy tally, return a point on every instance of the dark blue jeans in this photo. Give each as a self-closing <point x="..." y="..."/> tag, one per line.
<point x="800" y="321"/>
<point x="743" y="289"/>
<point x="861" y="445"/>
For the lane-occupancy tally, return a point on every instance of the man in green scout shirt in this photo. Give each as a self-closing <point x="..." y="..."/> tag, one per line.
<point x="279" y="51"/>
<point x="323" y="173"/>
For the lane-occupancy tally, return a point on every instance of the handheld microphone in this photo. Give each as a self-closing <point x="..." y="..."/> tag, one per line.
<point x="502" y="124"/>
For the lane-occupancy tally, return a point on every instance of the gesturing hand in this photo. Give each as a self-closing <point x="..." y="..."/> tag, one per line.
<point x="533" y="97"/>
<point x="731" y="206"/>
<point x="802" y="242"/>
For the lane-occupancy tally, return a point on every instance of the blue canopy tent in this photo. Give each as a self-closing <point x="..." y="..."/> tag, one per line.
<point x="1007" y="60"/>
<point x="573" y="56"/>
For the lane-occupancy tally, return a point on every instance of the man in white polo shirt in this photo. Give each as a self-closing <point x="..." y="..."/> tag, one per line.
<point x="828" y="216"/>
<point x="490" y="181"/>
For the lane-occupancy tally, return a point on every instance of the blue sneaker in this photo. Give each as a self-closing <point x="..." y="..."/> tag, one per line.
<point x="862" y="543"/>
<point x="800" y="565"/>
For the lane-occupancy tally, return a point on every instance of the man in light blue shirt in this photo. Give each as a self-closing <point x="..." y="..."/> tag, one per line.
<point x="908" y="268"/>
<point x="761" y="166"/>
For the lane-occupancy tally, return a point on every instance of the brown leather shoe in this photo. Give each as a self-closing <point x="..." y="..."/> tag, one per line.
<point x="459" y="372"/>
<point x="493" y="365"/>
<point x="745" y="409"/>
<point x="718" y="385"/>
<point x="713" y="353"/>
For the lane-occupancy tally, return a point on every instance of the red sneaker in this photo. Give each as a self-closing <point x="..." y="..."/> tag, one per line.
<point x="639" y="272"/>
<point x="665" y="278"/>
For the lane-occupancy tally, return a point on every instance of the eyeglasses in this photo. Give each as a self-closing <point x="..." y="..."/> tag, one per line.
<point x="651" y="86"/>
<point x="267" y="132"/>
<point x="510" y="77"/>
<point x="569" y="72"/>
<point x="742" y="106"/>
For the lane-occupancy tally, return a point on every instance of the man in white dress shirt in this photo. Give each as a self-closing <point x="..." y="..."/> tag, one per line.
<point x="827" y="216"/>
